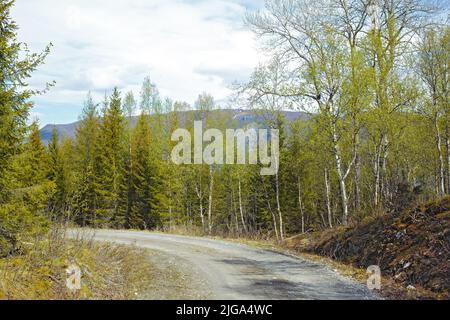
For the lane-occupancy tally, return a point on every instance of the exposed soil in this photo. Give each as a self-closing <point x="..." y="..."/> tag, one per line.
<point x="411" y="247"/>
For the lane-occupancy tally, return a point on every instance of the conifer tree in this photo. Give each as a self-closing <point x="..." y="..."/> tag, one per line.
<point x="31" y="170"/>
<point x="142" y="214"/>
<point x="112" y="150"/>
<point x="87" y="165"/>
<point x="60" y="172"/>
<point x="56" y="173"/>
<point x="16" y="66"/>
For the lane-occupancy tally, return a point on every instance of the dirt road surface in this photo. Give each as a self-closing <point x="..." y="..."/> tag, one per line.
<point x="199" y="268"/>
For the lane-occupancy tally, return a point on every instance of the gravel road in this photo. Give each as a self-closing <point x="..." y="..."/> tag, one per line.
<point x="199" y="268"/>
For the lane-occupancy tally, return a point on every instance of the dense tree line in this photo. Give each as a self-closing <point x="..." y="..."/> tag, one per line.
<point x="372" y="75"/>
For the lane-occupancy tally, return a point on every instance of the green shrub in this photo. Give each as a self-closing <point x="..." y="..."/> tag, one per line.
<point x="17" y="226"/>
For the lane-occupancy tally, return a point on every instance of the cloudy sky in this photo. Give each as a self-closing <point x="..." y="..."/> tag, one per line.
<point x="185" y="46"/>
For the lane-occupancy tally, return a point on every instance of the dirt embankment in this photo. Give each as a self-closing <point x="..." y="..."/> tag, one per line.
<point x="412" y="248"/>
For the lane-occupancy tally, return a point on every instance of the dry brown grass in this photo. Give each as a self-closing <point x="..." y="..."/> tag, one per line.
<point x="183" y="230"/>
<point x="109" y="272"/>
<point x="196" y="231"/>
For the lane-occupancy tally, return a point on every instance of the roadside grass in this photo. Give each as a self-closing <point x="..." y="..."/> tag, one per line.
<point x="182" y="230"/>
<point x="108" y="271"/>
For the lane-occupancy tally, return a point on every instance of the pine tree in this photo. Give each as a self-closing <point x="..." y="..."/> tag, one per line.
<point x="87" y="165"/>
<point x="16" y="66"/>
<point x="59" y="174"/>
<point x="30" y="170"/>
<point x="143" y="210"/>
<point x="127" y="190"/>
<point x="34" y="158"/>
<point x="112" y="151"/>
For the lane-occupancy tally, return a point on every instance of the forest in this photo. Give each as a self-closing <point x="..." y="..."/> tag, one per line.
<point x="371" y="75"/>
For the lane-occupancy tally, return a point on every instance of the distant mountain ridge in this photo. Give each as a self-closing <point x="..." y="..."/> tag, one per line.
<point x="243" y="118"/>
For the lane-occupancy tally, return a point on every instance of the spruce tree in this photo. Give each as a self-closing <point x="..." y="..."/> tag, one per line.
<point x="87" y="164"/>
<point x="16" y="66"/>
<point x="142" y="213"/>
<point x="35" y="159"/>
<point x="58" y="173"/>
<point x="112" y="151"/>
<point x="30" y="170"/>
<point x="127" y="190"/>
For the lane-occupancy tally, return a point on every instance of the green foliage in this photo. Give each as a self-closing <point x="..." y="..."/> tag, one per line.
<point x="24" y="216"/>
<point x="16" y="65"/>
<point x="24" y="189"/>
<point x="31" y="167"/>
<point x="111" y="151"/>
<point x="371" y="93"/>
<point x="19" y="224"/>
<point x="61" y="158"/>
<point x="86" y="158"/>
<point x="137" y="197"/>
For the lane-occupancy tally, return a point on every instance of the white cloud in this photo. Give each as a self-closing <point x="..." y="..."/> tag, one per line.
<point x="34" y="116"/>
<point x="185" y="46"/>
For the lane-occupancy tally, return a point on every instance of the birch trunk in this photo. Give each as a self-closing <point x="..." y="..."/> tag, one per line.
<point x="447" y="144"/>
<point x="234" y="211"/>
<point x="280" y="215"/>
<point x="328" y="198"/>
<point x="210" y="199"/>
<point x="384" y="183"/>
<point x="441" y="188"/>
<point x="341" y="175"/>
<point x="274" y="218"/>
<point x="377" y="172"/>
<point x="200" y="198"/>
<point x="241" y="210"/>
<point x="300" y="203"/>
<point x="357" y="183"/>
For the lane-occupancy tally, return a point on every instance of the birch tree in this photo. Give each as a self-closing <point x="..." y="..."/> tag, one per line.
<point x="306" y="42"/>
<point x="433" y="70"/>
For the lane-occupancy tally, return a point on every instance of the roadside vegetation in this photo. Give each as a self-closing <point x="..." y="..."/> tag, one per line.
<point x="43" y="268"/>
